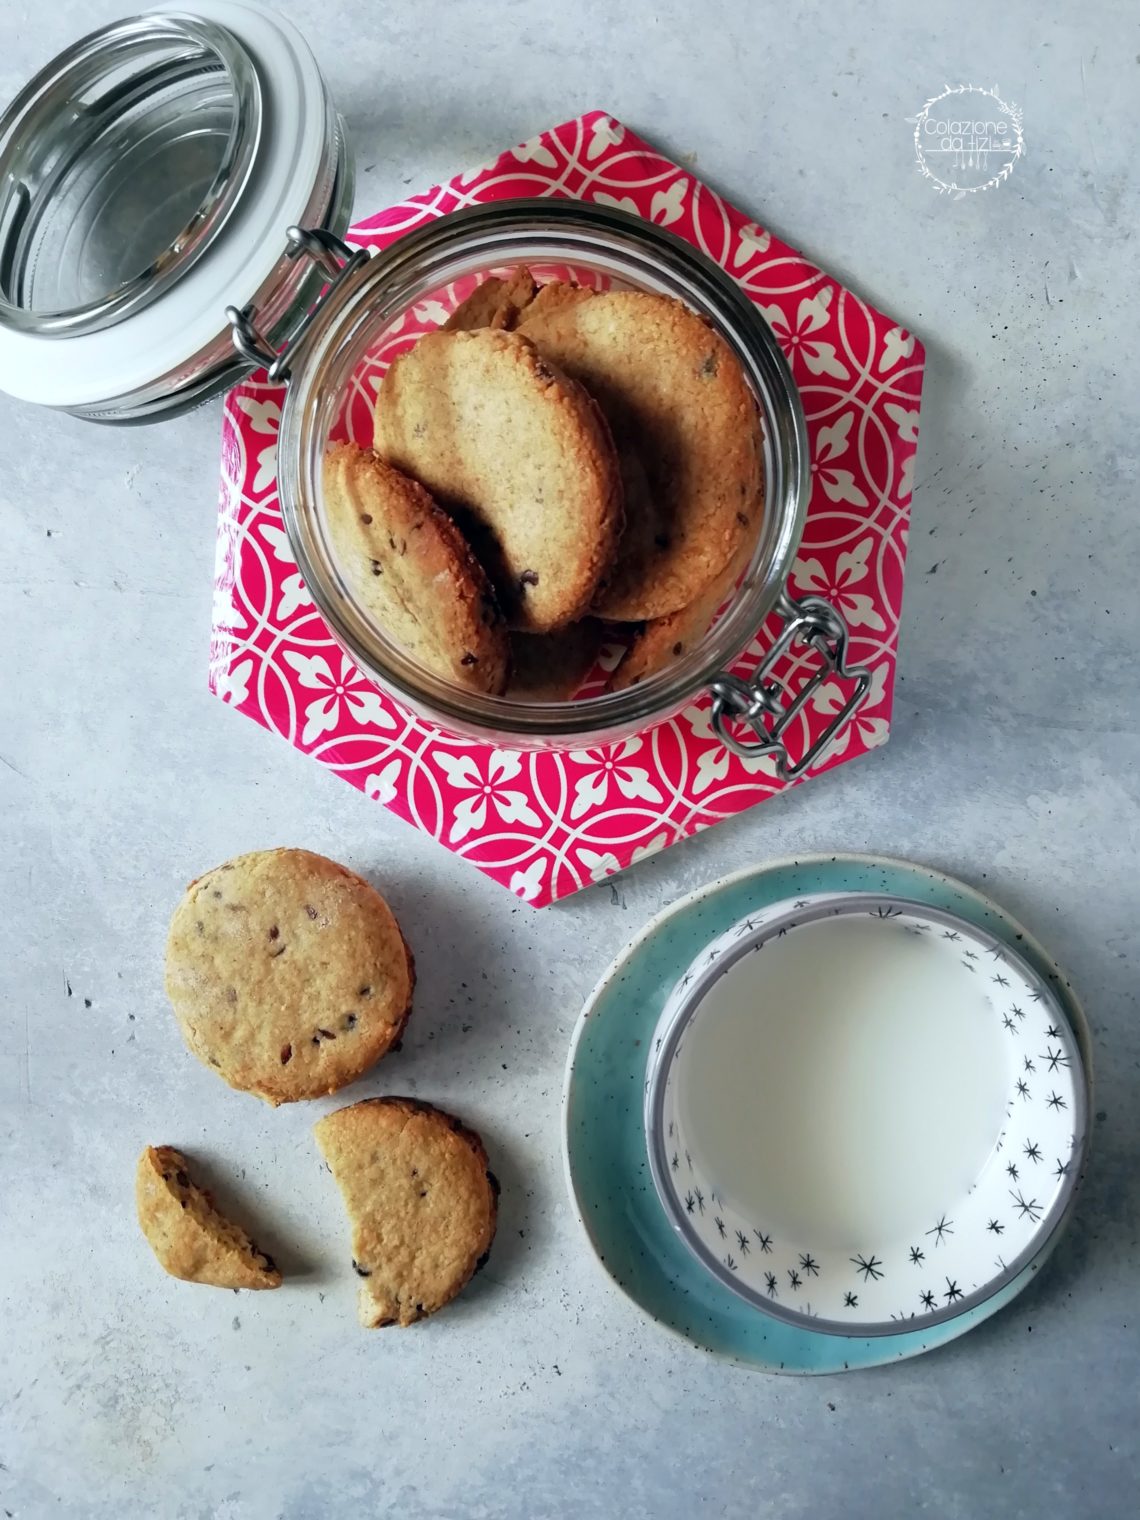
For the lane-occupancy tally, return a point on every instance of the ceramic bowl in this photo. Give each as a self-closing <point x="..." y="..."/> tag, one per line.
<point x="860" y="1109"/>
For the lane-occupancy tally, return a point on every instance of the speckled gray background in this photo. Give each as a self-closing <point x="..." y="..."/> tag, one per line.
<point x="1014" y="762"/>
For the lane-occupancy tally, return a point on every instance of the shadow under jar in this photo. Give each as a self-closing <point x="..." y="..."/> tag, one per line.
<point x="375" y="308"/>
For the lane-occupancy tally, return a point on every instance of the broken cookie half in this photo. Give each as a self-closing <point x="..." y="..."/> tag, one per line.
<point x="192" y="1239"/>
<point x="421" y="1201"/>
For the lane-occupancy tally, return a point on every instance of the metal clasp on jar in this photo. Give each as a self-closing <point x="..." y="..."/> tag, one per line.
<point x="761" y="703"/>
<point x="336" y="261"/>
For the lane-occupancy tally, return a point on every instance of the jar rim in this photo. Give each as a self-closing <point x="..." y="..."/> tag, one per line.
<point x="495" y="235"/>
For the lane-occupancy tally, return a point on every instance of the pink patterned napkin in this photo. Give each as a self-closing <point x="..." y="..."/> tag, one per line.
<point x="546" y="824"/>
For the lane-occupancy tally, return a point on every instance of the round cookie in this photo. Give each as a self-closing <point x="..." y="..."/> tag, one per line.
<point x="551" y="667"/>
<point x="662" y="640"/>
<point x="421" y="1201"/>
<point x="687" y="431"/>
<point x="520" y="455"/>
<point x="287" y="973"/>
<point x="410" y="568"/>
<point x="188" y="1233"/>
<point x="494" y="302"/>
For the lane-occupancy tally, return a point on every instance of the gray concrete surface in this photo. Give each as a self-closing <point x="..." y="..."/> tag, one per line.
<point x="1014" y="763"/>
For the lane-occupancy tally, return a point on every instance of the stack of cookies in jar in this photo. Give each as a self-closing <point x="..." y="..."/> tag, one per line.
<point x="555" y="471"/>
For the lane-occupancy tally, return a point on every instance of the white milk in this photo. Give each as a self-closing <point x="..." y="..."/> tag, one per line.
<point x="844" y="1085"/>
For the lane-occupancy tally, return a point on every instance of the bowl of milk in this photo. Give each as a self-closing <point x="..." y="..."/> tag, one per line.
<point x="862" y="1110"/>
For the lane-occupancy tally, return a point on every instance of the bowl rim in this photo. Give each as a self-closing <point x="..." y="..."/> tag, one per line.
<point x="681" y="1006"/>
<point x="682" y="904"/>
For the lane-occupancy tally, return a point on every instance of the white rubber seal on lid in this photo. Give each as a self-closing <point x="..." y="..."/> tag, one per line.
<point x="105" y="365"/>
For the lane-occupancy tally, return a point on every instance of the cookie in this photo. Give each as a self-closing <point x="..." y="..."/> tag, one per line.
<point x="411" y="570"/>
<point x="550" y="667"/>
<point x="687" y="431"/>
<point x="421" y="1201"/>
<point x="287" y="973"/>
<point x="519" y="455"/>
<point x="494" y="302"/>
<point x="192" y="1239"/>
<point x="662" y="640"/>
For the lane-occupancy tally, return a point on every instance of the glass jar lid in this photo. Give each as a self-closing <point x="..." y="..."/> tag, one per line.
<point x="147" y="176"/>
<point x="119" y="166"/>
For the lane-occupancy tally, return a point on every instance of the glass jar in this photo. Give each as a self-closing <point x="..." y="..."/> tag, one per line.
<point x="173" y="190"/>
<point x="333" y="368"/>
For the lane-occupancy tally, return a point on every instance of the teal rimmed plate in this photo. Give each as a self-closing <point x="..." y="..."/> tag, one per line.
<point x="607" y="1164"/>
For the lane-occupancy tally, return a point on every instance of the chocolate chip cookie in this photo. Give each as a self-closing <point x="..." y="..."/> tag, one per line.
<point x="192" y="1239"/>
<point x="288" y="974"/>
<point x="421" y="1201"/>
<point x="687" y="431"/>
<point x="411" y="570"/>
<point x="519" y="455"/>
<point x="550" y="667"/>
<point x="494" y="302"/>
<point x="660" y="641"/>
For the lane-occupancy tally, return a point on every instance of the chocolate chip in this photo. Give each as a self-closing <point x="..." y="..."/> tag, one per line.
<point x="349" y="1021"/>
<point x="469" y="658"/>
<point x="217" y="895"/>
<point x="326" y="1034"/>
<point x="415" y="1171"/>
<point x="366" y="518"/>
<point x="543" y="370"/>
<point x="742" y="520"/>
<point x="286" y="1054"/>
<point x="365" y="992"/>
<point x="359" y="1270"/>
<point x="312" y="912"/>
<point x="316" y="1039"/>
<point x="275" y="932"/>
<point x="281" y="949"/>
<point x="377" y="567"/>
<point x="709" y="365"/>
<point x="423" y="1192"/>
<point x="677" y="648"/>
<point x="528" y="578"/>
<point x="181" y="1178"/>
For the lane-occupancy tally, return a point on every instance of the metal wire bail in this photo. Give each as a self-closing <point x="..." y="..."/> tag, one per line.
<point x="335" y="260"/>
<point x="760" y="704"/>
